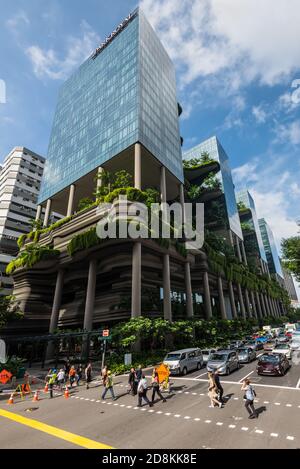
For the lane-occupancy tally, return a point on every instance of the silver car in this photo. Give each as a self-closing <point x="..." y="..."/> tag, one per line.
<point x="246" y="354"/>
<point x="206" y="353"/>
<point x="225" y="361"/>
<point x="182" y="361"/>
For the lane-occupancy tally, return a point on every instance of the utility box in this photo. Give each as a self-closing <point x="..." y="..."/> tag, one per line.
<point x="128" y="358"/>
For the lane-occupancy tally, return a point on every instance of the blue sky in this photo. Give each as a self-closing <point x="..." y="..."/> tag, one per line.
<point x="235" y="71"/>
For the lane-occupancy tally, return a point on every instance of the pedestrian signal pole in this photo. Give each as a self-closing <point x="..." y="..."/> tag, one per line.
<point x="105" y="333"/>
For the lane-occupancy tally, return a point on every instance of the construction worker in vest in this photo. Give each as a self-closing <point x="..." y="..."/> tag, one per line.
<point x="109" y="386"/>
<point x="52" y="381"/>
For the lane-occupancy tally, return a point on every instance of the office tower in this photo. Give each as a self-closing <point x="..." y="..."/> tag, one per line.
<point x="20" y="180"/>
<point x="270" y="248"/>
<point x="221" y="211"/>
<point x="252" y="236"/>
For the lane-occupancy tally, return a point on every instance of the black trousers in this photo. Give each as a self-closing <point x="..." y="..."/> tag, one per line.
<point x="156" y="390"/>
<point x="220" y="392"/>
<point x="250" y="407"/>
<point x="143" y="395"/>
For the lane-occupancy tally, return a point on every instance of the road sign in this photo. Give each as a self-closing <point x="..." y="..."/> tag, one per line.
<point x="105" y="333"/>
<point x="163" y="372"/>
<point x="5" y="376"/>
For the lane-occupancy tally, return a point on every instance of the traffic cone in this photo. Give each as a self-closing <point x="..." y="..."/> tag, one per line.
<point x="46" y="388"/>
<point x="67" y="394"/>
<point x="11" y="399"/>
<point x="35" y="397"/>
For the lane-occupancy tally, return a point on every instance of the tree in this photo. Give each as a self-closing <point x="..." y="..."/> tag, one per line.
<point x="84" y="203"/>
<point x="9" y="310"/>
<point x="291" y="255"/>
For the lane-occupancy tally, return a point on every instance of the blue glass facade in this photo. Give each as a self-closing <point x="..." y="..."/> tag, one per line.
<point x="127" y="93"/>
<point x="245" y="197"/>
<point x="270" y="248"/>
<point x="217" y="152"/>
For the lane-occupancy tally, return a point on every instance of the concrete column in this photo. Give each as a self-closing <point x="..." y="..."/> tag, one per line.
<point x="268" y="305"/>
<point x="137" y="166"/>
<point x="237" y="242"/>
<point x="181" y="195"/>
<point x="244" y="253"/>
<point x="241" y="301"/>
<point x="278" y="307"/>
<point x="90" y="296"/>
<point x="55" y="310"/>
<point x="247" y="301"/>
<point x="38" y="212"/>
<point x="167" y="288"/>
<point x="47" y="212"/>
<point x="232" y="301"/>
<point x="221" y="298"/>
<point x="254" y="313"/>
<point x="136" y="296"/>
<point x="263" y="307"/>
<point x="259" y="311"/>
<point x="207" y="301"/>
<point x="99" y="177"/>
<point x="163" y="186"/>
<point x="188" y="291"/>
<point x="71" y="200"/>
<point x="274" y="312"/>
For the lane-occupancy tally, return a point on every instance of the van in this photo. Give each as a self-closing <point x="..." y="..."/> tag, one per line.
<point x="182" y="361"/>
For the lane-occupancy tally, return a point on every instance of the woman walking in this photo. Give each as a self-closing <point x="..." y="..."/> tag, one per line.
<point x="155" y="387"/>
<point x="249" y="396"/>
<point x="132" y="381"/>
<point x="212" y="391"/>
<point x="88" y="375"/>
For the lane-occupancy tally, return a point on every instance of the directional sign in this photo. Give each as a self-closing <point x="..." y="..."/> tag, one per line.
<point x="105" y="333"/>
<point x="5" y="376"/>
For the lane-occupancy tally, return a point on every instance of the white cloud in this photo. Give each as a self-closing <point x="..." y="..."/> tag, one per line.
<point x="245" y="173"/>
<point x="260" y="114"/>
<point x="243" y="39"/>
<point x="289" y="133"/>
<point x="17" y="21"/>
<point x="47" y="63"/>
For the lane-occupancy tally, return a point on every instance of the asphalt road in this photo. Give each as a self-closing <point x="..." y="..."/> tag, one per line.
<point x="184" y="421"/>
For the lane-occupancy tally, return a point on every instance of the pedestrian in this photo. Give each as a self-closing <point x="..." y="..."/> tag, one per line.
<point x="249" y="396"/>
<point x="155" y="386"/>
<point x="109" y="385"/>
<point x="72" y="375"/>
<point x="219" y="387"/>
<point x="60" y="378"/>
<point x="52" y="381"/>
<point x="88" y="374"/>
<point x="212" y="391"/>
<point x="79" y="372"/>
<point x="166" y="386"/>
<point x="132" y="381"/>
<point x="139" y="373"/>
<point x="142" y="392"/>
<point x="104" y="374"/>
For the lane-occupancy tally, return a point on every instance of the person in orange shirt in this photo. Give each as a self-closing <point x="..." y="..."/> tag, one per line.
<point x="72" y="375"/>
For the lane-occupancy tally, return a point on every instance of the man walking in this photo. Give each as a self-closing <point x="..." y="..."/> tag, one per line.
<point x="109" y="386"/>
<point x="249" y="396"/>
<point x="142" y="392"/>
<point x="219" y="387"/>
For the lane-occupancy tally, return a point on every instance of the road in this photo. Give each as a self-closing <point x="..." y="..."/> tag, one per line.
<point x="184" y="421"/>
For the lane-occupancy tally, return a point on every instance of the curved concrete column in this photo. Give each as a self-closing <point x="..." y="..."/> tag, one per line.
<point x="244" y="253"/>
<point x="241" y="301"/>
<point x="38" y="213"/>
<point x="263" y="307"/>
<point x="259" y="311"/>
<point x="207" y="300"/>
<point x="254" y="313"/>
<point x="188" y="291"/>
<point x="71" y="200"/>
<point x="167" y="288"/>
<point x="137" y="166"/>
<point x="136" y="295"/>
<point x="232" y="300"/>
<point x="90" y="296"/>
<point x="221" y="298"/>
<point x="55" y="310"/>
<point x="247" y="301"/>
<point x="47" y="212"/>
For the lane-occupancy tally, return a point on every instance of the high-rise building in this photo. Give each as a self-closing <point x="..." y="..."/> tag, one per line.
<point x="289" y="284"/>
<point x="270" y="248"/>
<point x="226" y="205"/>
<point x="20" y="180"/>
<point x="124" y="94"/>
<point x="252" y="236"/>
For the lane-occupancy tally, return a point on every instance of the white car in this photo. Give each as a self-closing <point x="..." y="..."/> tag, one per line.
<point x="283" y="348"/>
<point x="295" y="344"/>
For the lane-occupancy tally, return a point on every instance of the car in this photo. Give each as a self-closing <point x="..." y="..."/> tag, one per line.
<point x="295" y="343"/>
<point x="275" y="364"/>
<point x="281" y="338"/>
<point x="246" y="354"/>
<point x="263" y="339"/>
<point x="225" y="361"/>
<point x="255" y="345"/>
<point x="288" y="334"/>
<point x="283" y="348"/>
<point x="206" y="353"/>
<point x="268" y="346"/>
<point x="182" y="361"/>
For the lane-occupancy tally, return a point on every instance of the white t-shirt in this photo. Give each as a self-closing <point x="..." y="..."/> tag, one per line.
<point x="61" y="375"/>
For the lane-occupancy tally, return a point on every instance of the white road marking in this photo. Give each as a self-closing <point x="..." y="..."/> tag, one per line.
<point x="179" y="392"/>
<point x="151" y="411"/>
<point x="277" y="403"/>
<point x="143" y="409"/>
<point x="259" y="431"/>
<point x="86" y="399"/>
<point x="231" y="426"/>
<point x="187" y="417"/>
<point x="129" y="406"/>
<point x="266" y="402"/>
<point x="110" y="403"/>
<point x="197" y="419"/>
<point x="122" y="405"/>
<point x="168" y="413"/>
<point x="92" y="400"/>
<point x="202" y="374"/>
<point x="136" y="408"/>
<point x="177" y="415"/>
<point x="116" y="404"/>
<point x="242" y="379"/>
<point x="298" y="384"/>
<point x="186" y="392"/>
<point x="288" y="405"/>
<point x="245" y="429"/>
<point x="207" y="421"/>
<point x="275" y="435"/>
<point x="219" y="423"/>
<point x="194" y="393"/>
<point x="159" y="412"/>
<point x="290" y="437"/>
<point x="98" y="401"/>
<point x="236" y="398"/>
<point x="201" y="394"/>
<point x="82" y="398"/>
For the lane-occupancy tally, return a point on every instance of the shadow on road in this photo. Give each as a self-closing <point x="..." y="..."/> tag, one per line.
<point x="260" y="410"/>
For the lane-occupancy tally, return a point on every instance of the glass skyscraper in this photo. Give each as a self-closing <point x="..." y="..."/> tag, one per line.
<point x="125" y="93"/>
<point x="215" y="150"/>
<point x="245" y="197"/>
<point x="270" y="248"/>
